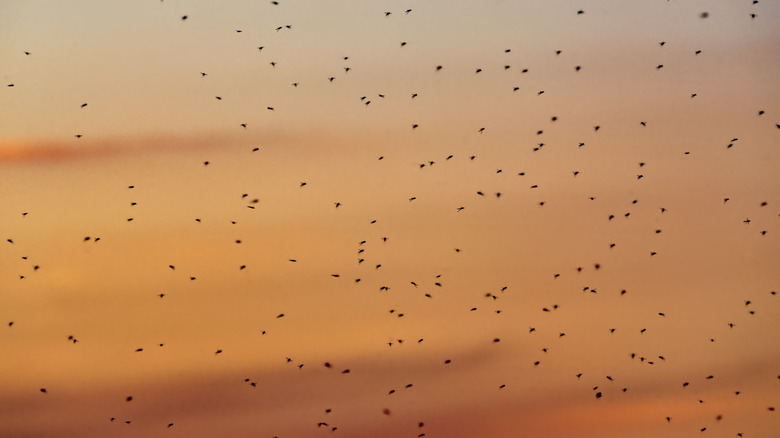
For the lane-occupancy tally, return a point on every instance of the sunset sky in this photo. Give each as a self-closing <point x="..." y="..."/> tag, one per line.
<point x="583" y="191"/>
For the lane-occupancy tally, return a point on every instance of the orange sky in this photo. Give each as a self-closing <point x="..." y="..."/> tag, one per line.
<point x="152" y="120"/>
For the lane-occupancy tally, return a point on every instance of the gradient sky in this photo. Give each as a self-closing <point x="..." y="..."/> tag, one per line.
<point x="464" y="269"/>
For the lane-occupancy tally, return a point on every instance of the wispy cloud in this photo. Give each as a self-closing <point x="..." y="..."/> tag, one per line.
<point x="47" y="151"/>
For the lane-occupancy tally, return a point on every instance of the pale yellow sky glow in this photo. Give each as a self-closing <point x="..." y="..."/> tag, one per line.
<point x="225" y="226"/>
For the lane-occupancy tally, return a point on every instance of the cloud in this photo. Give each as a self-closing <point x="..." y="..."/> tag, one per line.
<point x="56" y="151"/>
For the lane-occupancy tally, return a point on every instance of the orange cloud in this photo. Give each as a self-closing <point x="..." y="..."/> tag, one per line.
<point x="46" y="151"/>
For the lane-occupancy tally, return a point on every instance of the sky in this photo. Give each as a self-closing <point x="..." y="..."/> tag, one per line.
<point x="421" y="218"/>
